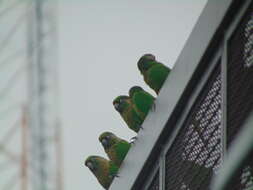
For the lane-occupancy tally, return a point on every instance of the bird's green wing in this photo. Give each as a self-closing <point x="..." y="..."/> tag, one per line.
<point x="113" y="169"/>
<point x="133" y="120"/>
<point x="143" y="101"/>
<point x="156" y="76"/>
<point x="136" y="120"/>
<point x="121" y="150"/>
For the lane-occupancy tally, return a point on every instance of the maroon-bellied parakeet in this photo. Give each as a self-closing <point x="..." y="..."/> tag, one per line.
<point x="115" y="147"/>
<point x="142" y="101"/>
<point x="125" y="107"/>
<point x="154" y="72"/>
<point x="103" y="169"/>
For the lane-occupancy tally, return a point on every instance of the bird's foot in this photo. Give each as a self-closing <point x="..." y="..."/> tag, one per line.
<point x="133" y="139"/>
<point x="114" y="175"/>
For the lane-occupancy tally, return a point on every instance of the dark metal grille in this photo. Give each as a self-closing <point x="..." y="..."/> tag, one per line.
<point x="239" y="92"/>
<point x="240" y="76"/>
<point x="155" y="182"/>
<point x="246" y="177"/>
<point x="243" y="179"/>
<point x="196" y="152"/>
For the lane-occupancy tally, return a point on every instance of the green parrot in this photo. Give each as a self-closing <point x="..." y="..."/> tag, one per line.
<point x="142" y="101"/>
<point x="103" y="169"/>
<point x="154" y="73"/>
<point x="125" y="107"/>
<point x="115" y="147"/>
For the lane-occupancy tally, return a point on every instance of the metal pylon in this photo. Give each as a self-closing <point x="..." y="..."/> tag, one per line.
<point x="30" y="136"/>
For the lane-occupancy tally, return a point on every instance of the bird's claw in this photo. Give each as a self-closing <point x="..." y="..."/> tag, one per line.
<point x="114" y="175"/>
<point x="133" y="139"/>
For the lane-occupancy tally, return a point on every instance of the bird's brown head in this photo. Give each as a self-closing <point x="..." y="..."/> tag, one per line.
<point x="120" y="103"/>
<point x="108" y="139"/>
<point x="92" y="162"/>
<point x="145" y="62"/>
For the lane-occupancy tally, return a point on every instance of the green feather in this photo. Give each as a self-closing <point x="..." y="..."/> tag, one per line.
<point x="121" y="150"/>
<point x="103" y="169"/>
<point x="156" y="76"/>
<point x="132" y="118"/>
<point x="125" y="107"/>
<point x="113" y="169"/>
<point x="154" y="73"/>
<point x="142" y="100"/>
<point x="115" y="147"/>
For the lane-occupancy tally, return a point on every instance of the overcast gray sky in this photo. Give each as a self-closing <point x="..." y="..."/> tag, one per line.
<point x="100" y="43"/>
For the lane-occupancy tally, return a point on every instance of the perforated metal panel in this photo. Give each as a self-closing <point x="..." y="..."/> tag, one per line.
<point x="246" y="177"/>
<point x="240" y="91"/>
<point x="196" y="152"/>
<point x="155" y="182"/>
<point x="240" y="76"/>
<point x="243" y="179"/>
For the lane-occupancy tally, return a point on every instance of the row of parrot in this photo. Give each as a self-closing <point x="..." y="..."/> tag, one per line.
<point x="133" y="109"/>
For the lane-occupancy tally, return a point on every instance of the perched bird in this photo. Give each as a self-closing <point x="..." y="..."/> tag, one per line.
<point x="103" y="169"/>
<point x="124" y="106"/>
<point x="154" y="73"/>
<point x="115" y="147"/>
<point x="142" y="100"/>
